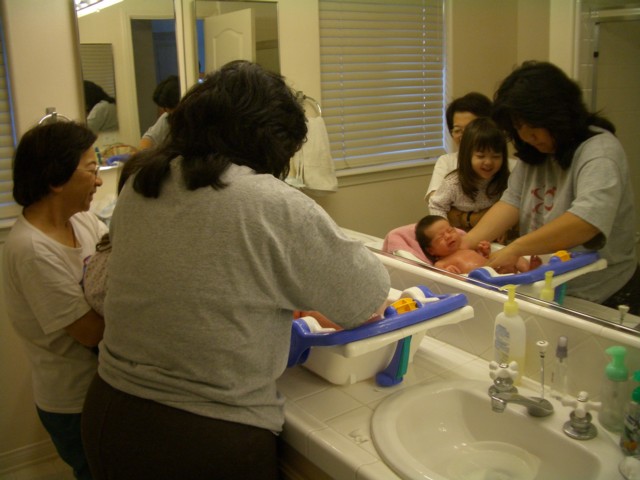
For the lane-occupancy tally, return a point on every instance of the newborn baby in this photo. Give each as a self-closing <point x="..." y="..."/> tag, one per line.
<point x="440" y="242"/>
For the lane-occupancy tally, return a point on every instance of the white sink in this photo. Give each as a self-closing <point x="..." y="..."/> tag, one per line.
<point x="447" y="430"/>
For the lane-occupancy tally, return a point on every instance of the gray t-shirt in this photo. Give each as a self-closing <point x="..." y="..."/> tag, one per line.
<point x="202" y="285"/>
<point x="159" y="130"/>
<point x="595" y="188"/>
<point x="43" y="295"/>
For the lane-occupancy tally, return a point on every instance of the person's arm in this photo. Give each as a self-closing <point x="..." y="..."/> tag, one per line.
<point x="146" y="142"/>
<point x="443" y="166"/>
<point x="496" y="221"/>
<point x="565" y="232"/>
<point x="465" y="220"/>
<point x="88" y="329"/>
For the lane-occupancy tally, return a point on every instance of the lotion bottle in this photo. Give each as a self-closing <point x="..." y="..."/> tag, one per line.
<point x="509" y="334"/>
<point x="630" y="437"/>
<point x="614" y="390"/>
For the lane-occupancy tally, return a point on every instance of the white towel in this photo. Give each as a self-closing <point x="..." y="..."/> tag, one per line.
<point x="312" y="166"/>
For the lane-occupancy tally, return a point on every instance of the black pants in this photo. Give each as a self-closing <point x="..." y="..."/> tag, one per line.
<point x="628" y="295"/>
<point x="126" y="437"/>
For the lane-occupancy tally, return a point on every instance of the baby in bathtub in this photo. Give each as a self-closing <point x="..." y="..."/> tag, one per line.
<point x="440" y="242"/>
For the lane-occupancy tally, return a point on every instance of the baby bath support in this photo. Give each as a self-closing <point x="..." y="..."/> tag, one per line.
<point x="349" y="356"/>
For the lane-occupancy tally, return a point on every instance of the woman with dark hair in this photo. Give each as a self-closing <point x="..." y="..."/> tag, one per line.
<point x="571" y="189"/>
<point x="55" y="175"/>
<point x="211" y="254"/>
<point x="100" y="107"/>
<point x="166" y="96"/>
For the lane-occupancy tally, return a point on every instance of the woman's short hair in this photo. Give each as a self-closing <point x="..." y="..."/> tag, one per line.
<point x="46" y="156"/>
<point x="541" y="95"/>
<point x="472" y="102"/>
<point x="241" y="114"/>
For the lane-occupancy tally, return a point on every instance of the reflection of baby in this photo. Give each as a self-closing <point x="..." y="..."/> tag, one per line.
<point x="440" y="242"/>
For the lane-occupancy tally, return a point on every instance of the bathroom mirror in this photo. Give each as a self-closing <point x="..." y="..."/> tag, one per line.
<point x="233" y="30"/>
<point x="609" y="84"/>
<point x="141" y="35"/>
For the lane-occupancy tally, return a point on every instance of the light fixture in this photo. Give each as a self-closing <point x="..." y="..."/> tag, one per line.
<point x="85" y="7"/>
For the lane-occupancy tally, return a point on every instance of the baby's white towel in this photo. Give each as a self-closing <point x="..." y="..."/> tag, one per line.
<point x="312" y="166"/>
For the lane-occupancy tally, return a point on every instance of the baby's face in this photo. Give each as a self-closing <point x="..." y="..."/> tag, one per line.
<point x="445" y="239"/>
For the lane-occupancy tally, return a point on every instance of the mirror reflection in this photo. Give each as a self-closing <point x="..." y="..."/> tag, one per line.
<point x="137" y="41"/>
<point x="608" y="87"/>
<point x="236" y="31"/>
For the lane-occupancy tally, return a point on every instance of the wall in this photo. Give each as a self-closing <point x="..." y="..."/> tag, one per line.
<point x="45" y="72"/>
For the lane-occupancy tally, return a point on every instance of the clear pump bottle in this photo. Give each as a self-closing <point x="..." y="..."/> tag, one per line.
<point x="614" y="390"/>
<point x="559" y="378"/>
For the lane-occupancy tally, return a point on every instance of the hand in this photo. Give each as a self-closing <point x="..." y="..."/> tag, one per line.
<point x="484" y="248"/>
<point x="453" y="269"/>
<point x="504" y="260"/>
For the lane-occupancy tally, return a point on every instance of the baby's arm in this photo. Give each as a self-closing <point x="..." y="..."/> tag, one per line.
<point x="445" y="265"/>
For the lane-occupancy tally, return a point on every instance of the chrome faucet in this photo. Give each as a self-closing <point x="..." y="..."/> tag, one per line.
<point x="503" y="392"/>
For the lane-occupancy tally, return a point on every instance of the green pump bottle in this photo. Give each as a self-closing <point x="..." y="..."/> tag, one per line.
<point x="614" y="390"/>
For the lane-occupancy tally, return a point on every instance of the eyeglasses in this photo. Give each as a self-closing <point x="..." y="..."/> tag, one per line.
<point x="95" y="172"/>
<point x="457" y="132"/>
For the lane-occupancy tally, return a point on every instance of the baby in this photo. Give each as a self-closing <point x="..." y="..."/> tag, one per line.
<point x="440" y="242"/>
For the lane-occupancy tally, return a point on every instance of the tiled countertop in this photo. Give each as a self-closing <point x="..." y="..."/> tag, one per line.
<point x="330" y="424"/>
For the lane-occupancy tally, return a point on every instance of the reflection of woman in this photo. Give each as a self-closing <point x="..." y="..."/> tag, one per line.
<point x="101" y="112"/>
<point x="55" y="176"/>
<point x="166" y="96"/>
<point x="571" y="189"/>
<point x="211" y="254"/>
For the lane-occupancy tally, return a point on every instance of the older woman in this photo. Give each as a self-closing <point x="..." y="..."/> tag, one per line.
<point x="571" y="188"/>
<point x="212" y="253"/>
<point x="55" y="175"/>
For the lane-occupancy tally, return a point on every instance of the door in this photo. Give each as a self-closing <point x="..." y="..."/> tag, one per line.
<point x="229" y="36"/>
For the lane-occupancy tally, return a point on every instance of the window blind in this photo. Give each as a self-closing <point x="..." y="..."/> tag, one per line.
<point x="9" y="210"/>
<point x="382" y="78"/>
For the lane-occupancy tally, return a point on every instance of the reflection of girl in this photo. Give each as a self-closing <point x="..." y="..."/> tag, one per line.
<point x="481" y="176"/>
<point x="166" y="96"/>
<point x="100" y="108"/>
<point x="570" y="191"/>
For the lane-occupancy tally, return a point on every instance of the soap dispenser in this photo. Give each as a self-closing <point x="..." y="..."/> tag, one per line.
<point x="614" y="393"/>
<point x="509" y="334"/>
<point x="630" y="438"/>
<point x="547" y="293"/>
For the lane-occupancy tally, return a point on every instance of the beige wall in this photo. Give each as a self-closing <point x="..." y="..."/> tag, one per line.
<point x="486" y="43"/>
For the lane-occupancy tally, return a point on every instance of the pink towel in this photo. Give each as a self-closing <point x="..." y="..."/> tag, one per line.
<point x="404" y="238"/>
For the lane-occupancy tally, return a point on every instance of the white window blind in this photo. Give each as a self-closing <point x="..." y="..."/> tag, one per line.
<point x="9" y="210"/>
<point x="382" y="73"/>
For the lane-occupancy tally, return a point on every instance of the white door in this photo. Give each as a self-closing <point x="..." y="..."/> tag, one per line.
<point x="229" y="36"/>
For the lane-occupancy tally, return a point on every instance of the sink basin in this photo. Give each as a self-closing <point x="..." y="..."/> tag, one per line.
<point x="447" y="430"/>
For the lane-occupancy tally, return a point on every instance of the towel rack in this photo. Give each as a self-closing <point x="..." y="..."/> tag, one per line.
<point x="52" y="117"/>
<point x="302" y="97"/>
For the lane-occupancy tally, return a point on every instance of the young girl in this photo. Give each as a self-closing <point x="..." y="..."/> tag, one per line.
<point x="480" y="178"/>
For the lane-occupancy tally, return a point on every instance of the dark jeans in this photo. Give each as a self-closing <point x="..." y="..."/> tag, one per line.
<point x="128" y="437"/>
<point x="64" y="430"/>
<point x="628" y="295"/>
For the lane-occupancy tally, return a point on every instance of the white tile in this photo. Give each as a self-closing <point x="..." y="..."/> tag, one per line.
<point x="376" y="471"/>
<point x="298" y="426"/>
<point x="298" y="382"/>
<point x="336" y="455"/>
<point x="355" y="426"/>
<point x="328" y="404"/>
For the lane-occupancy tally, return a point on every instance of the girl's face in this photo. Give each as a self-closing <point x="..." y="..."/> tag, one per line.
<point x="486" y="164"/>
<point x="538" y="137"/>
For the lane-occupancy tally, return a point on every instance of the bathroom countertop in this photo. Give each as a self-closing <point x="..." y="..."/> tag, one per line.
<point x="330" y="424"/>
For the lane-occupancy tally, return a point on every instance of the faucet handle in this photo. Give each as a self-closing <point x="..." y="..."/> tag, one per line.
<point x="581" y="405"/>
<point x="503" y="370"/>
